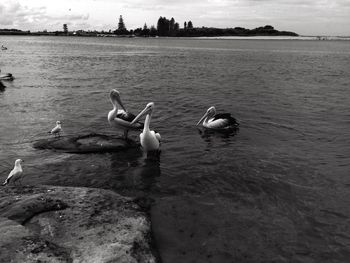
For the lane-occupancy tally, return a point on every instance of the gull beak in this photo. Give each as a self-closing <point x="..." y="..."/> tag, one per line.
<point x="141" y="114"/>
<point x="204" y="116"/>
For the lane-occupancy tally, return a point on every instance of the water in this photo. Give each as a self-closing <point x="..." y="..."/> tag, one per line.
<point x="278" y="190"/>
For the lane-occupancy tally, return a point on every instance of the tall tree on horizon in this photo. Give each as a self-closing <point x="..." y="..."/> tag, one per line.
<point x="121" y="25"/>
<point x="65" y="28"/>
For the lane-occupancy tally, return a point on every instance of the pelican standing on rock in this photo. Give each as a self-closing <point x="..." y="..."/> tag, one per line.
<point x="150" y="140"/>
<point x="57" y="129"/>
<point x="121" y="118"/>
<point x="15" y="174"/>
<point x="221" y="121"/>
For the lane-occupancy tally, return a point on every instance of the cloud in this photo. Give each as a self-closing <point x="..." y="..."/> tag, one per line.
<point x="17" y="15"/>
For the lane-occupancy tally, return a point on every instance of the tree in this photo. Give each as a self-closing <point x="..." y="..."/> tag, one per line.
<point x="163" y="26"/>
<point x="190" y="25"/>
<point x="185" y="25"/>
<point x="153" y="31"/>
<point x="121" y="25"/>
<point x="145" y="30"/>
<point x="65" y="28"/>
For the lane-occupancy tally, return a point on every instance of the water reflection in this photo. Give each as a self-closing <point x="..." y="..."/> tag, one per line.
<point x="134" y="173"/>
<point x="207" y="134"/>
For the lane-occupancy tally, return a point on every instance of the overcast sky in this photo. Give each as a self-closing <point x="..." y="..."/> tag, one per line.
<point x="306" y="17"/>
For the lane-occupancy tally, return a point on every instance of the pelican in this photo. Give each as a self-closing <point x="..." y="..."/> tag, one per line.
<point x="16" y="172"/>
<point x="7" y="76"/>
<point x="57" y="129"/>
<point x="221" y="121"/>
<point x="121" y="118"/>
<point x="150" y="140"/>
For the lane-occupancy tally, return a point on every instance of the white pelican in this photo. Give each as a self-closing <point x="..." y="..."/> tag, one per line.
<point x="57" y="129"/>
<point x="16" y="172"/>
<point x="150" y="140"/>
<point x="121" y="118"/>
<point x="221" y="121"/>
<point x="7" y="76"/>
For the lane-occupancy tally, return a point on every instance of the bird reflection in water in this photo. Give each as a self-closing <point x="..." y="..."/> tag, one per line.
<point x="134" y="175"/>
<point x="207" y="134"/>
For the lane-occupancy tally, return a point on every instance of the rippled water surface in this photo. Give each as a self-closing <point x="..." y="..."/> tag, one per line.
<point x="278" y="190"/>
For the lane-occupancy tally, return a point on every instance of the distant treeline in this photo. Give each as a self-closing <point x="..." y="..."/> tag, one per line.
<point x="170" y="28"/>
<point x="165" y="28"/>
<point x="6" y="31"/>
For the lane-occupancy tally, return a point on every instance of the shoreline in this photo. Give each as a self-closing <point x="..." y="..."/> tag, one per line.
<point x="253" y="37"/>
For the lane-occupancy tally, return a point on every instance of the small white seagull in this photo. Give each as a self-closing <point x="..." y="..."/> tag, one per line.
<point x="57" y="129"/>
<point x="16" y="172"/>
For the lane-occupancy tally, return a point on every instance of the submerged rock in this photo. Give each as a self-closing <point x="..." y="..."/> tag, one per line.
<point x="64" y="224"/>
<point x="90" y="143"/>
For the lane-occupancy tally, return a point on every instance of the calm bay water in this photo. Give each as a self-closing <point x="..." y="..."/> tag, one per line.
<point x="277" y="191"/>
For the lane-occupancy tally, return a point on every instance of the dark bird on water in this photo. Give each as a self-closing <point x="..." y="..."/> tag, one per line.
<point x="220" y="121"/>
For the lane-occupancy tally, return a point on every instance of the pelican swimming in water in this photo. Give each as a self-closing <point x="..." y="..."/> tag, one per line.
<point x="150" y="140"/>
<point x="57" y="129"/>
<point x="121" y="118"/>
<point x="15" y="174"/>
<point x="221" y="121"/>
<point x="7" y="76"/>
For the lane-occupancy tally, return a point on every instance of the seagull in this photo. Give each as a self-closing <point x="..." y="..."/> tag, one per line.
<point x="221" y="121"/>
<point x="57" y="129"/>
<point x="121" y="118"/>
<point x="150" y="140"/>
<point x="15" y="174"/>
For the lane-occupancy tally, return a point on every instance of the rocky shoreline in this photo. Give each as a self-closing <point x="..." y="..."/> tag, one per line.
<point x="72" y="224"/>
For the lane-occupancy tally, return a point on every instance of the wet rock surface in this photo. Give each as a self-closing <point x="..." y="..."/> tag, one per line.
<point x="64" y="224"/>
<point x="90" y="143"/>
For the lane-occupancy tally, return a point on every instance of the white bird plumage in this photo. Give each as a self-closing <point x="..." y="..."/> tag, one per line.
<point x="16" y="172"/>
<point x="121" y="118"/>
<point x="150" y="140"/>
<point x="57" y="129"/>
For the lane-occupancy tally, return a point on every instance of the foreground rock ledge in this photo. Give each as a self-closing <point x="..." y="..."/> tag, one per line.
<point x="66" y="224"/>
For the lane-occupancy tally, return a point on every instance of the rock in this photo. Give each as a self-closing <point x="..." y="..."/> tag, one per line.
<point x="90" y="143"/>
<point x="66" y="224"/>
<point x="2" y="86"/>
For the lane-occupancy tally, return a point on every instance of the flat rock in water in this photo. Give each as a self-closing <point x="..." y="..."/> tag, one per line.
<point x="90" y="143"/>
<point x="68" y="224"/>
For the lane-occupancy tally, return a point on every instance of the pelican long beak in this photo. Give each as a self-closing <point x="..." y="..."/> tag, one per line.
<point x="115" y="97"/>
<point x="120" y="103"/>
<point x="204" y="116"/>
<point x="144" y="112"/>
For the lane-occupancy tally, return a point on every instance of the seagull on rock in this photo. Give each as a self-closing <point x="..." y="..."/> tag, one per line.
<point x="57" y="129"/>
<point x="15" y="174"/>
